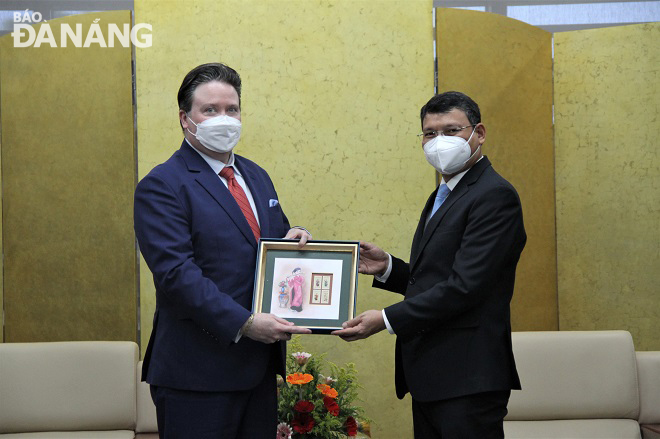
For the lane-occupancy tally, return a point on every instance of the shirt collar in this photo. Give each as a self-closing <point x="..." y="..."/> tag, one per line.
<point x="216" y="164"/>
<point x="456" y="178"/>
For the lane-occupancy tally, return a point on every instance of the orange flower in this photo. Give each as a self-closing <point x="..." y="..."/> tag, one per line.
<point x="299" y="378"/>
<point x="327" y="390"/>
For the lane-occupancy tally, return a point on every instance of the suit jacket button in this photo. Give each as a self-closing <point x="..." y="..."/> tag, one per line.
<point x="412" y="281"/>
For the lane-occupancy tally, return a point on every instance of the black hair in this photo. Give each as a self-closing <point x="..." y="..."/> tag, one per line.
<point x="445" y="102"/>
<point x="203" y="74"/>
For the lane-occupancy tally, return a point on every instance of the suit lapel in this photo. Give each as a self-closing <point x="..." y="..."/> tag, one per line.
<point x="455" y="195"/>
<point x="414" y="252"/>
<point x="213" y="185"/>
<point x="459" y="191"/>
<point x="258" y="194"/>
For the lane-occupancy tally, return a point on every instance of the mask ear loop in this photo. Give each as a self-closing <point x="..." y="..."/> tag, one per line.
<point x="472" y="134"/>
<point x="190" y="119"/>
<point x="468" y="142"/>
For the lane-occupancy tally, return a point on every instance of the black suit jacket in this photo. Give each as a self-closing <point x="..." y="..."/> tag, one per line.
<point x="202" y="253"/>
<point x="453" y="326"/>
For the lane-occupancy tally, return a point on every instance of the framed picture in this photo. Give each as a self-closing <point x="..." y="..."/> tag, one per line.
<point x="321" y="287"/>
<point x="314" y="287"/>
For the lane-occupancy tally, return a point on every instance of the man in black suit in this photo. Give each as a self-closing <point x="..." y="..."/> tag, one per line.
<point x="453" y="346"/>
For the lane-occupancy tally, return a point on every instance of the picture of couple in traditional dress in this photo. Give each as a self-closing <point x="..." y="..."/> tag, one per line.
<point x="306" y="288"/>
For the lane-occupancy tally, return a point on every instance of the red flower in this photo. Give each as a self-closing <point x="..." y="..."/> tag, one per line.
<point x="331" y="405"/>
<point x="303" y="423"/>
<point x="351" y="426"/>
<point x="304" y="407"/>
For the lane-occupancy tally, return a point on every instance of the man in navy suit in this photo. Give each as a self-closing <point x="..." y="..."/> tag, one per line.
<point x="453" y="345"/>
<point x="210" y="362"/>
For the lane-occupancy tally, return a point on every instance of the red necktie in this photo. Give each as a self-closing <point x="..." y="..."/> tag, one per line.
<point x="242" y="200"/>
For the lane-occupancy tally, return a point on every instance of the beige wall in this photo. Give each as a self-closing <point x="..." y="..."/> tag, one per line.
<point x="331" y="94"/>
<point x="506" y="66"/>
<point x="608" y="180"/>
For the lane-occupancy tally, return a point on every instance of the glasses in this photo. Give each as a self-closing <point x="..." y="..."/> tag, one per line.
<point x="430" y="134"/>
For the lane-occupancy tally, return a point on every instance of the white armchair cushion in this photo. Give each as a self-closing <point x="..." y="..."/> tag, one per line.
<point x="67" y="386"/>
<point x="575" y="375"/>
<point x="573" y="429"/>
<point x="115" y="434"/>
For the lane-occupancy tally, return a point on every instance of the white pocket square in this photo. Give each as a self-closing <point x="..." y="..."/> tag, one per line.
<point x="273" y="202"/>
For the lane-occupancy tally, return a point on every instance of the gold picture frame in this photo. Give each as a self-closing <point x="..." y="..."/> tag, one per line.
<point x="286" y="278"/>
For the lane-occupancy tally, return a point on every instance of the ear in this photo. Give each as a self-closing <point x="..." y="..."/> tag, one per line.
<point x="480" y="131"/>
<point x="183" y="120"/>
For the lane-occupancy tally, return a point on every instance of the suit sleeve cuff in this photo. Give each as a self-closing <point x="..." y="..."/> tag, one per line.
<point x="303" y="229"/>
<point x="384" y="278"/>
<point x="387" y="323"/>
<point x="244" y="328"/>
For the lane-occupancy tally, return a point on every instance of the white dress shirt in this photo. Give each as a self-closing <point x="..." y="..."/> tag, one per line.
<point x="218" y="166"/>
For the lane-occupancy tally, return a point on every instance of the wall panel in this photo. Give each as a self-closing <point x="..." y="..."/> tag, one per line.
<point x="607" y="91"/>
<point x="2" y="315"/>
<point x="506" y="66"/>
<point x="331" y="95"/>
<point x="68" y="174"/>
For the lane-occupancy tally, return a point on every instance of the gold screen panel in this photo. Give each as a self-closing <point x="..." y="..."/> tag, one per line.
<point x="506" y="66"/>
<point x="2" y="318"/>
<point x="68" y="175"/>
<point x="608" y="180"/>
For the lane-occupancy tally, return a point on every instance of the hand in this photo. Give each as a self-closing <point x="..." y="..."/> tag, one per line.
<point x="373" y="260"/>
<point x="268" y="328"/>
<point x="302" y="235"/>
<point x="365" y="325"/>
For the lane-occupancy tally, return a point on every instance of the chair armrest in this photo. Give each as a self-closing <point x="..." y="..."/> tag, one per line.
<point x="651" y="431"/>
<point x="648" y="376"/>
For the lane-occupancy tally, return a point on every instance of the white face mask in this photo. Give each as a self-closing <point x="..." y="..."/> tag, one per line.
<point x="448" y="154"/>
<point x="219" y="134"/>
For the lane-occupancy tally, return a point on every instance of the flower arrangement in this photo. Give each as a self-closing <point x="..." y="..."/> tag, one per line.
<point x="311" y="405"/>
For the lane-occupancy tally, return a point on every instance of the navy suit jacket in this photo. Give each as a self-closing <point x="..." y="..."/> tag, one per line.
<point x="202" y="253"/>
<point x="453" y="326"/>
